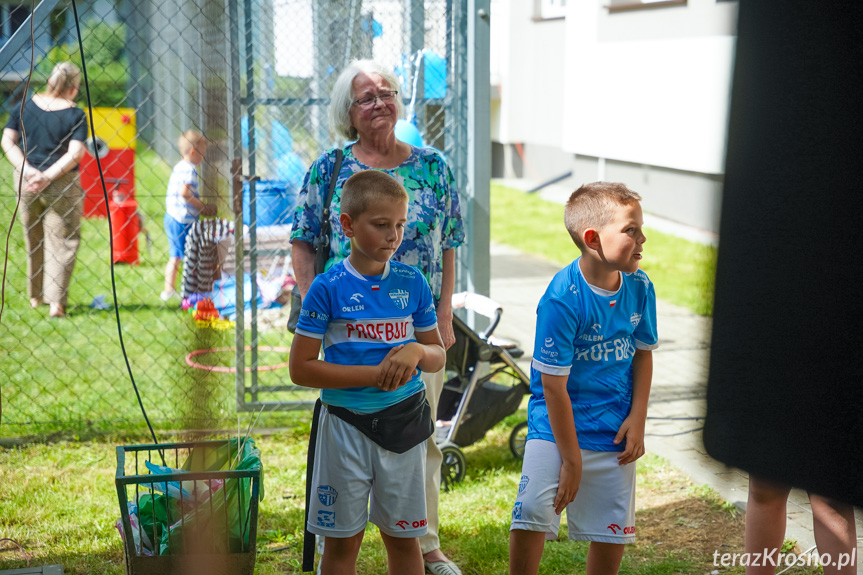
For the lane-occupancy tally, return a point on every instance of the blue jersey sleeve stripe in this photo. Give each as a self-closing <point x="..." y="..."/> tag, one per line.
<point x="550" y="369"/>
<point x="425" y="328"/>
<point x="310" y="334"/>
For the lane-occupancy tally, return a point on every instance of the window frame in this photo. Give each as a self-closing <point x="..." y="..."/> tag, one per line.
<point x="633" y="5"/>
<point x="544" y="12"/>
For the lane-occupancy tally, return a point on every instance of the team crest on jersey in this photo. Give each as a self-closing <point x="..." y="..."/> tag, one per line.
<point x="635" y="319"/>
<point x="400" y="298"/>
<point x="327" y="495"/>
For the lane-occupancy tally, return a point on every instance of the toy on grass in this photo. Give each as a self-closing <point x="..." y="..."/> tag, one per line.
<point x="206" y="310"/>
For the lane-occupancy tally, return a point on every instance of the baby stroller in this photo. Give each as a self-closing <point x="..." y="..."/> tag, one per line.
<point x="485" y="385"/>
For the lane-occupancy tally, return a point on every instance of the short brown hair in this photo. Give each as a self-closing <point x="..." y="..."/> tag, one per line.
<point x="190" y="139"/>
<point x="368" y="187"/>
<point x="590" y="206"/>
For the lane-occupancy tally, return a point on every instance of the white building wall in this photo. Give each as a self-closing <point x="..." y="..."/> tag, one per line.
<point x="650" y="86"/>
<point x="527" y="67"/>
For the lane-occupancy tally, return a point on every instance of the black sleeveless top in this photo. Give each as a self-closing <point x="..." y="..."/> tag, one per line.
<point x="48" y="133"/>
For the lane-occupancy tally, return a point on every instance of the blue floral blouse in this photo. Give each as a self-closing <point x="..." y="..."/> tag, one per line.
<point x="434" y="216"/>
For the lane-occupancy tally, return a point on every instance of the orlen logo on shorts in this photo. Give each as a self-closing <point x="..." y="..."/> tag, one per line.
<point x="615" y="528"/>
<point x="415" y="524"/>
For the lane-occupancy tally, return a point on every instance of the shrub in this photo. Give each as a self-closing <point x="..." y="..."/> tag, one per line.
<point x="107" y="63"/>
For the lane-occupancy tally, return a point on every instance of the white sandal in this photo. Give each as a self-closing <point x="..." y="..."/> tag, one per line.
<point x="442" y="568"/>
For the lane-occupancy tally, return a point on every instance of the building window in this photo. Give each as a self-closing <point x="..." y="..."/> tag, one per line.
<point x="549" y="9"/>
<point x="12" y="16"/>
<point x="627" y="5"/>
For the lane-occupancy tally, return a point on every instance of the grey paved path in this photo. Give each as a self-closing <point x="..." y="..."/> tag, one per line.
<point x="679" y="383"/>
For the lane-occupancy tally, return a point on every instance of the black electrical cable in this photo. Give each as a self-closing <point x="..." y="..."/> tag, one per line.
<point x="110" y="228"/>
<point x="20" y="176"/>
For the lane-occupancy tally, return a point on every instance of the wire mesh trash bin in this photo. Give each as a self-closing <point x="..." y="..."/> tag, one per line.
<point x="189" y="508"/>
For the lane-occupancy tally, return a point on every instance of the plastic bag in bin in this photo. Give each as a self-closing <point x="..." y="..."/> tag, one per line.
<point x="190" y="492"/>
<point x="219" y="509"/>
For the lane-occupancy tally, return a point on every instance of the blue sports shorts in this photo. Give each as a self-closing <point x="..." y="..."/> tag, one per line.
<point x="176" y="233"/>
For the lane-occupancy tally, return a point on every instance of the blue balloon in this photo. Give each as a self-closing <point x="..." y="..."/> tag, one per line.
<point x="408" y="132"/>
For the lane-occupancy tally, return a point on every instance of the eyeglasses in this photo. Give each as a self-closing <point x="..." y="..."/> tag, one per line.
<point x="369" y="101"/>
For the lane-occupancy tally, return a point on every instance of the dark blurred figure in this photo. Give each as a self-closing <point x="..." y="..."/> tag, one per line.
<point x="785" y="394"/>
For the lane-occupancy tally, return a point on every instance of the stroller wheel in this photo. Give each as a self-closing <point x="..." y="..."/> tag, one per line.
<point x="517" y="440"/>
<point x="452" y="467"/>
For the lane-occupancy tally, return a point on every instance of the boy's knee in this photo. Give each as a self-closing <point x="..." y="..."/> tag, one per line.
<point x="343" y="547"/>
<point x="401" y="544"/>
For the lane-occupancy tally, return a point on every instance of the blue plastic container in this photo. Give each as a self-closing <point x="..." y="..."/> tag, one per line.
<point x="274" y="202"/>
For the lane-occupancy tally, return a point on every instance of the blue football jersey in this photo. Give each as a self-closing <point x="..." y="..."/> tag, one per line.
<point x="591" y="336"/>
<point x="360" y="318"/>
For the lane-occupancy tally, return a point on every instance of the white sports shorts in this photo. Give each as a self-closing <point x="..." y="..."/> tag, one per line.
<point x="350" y="469"/>
<point x="603" y="509"/>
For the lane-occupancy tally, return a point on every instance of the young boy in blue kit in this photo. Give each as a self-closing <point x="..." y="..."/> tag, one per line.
<point x="590" y="381"/>
<point x="376" y="321"/>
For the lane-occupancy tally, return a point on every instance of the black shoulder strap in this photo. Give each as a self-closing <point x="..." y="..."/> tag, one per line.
<point x="333" y="177"/>
<point x="323" y="247"/>
<point x="308" y="536"/>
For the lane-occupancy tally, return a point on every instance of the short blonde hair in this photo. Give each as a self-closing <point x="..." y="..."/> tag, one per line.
<point x="592" y="206"/>
<point x="190" y="139"/>
<point x="63" y="78"/>
<point x="342" y="97"/>
<point x="369" y="187"/>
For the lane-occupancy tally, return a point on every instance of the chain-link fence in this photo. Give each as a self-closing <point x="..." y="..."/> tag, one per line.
<point x="254" y="76"/>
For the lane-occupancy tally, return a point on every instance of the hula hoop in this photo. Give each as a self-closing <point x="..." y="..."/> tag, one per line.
<point x="222" y="369"/>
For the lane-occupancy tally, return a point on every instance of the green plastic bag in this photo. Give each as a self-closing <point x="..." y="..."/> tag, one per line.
<point x="225" y="518"/>
<point x="156" y="512"/>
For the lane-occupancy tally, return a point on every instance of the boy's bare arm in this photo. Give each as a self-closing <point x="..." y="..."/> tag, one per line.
<point x="632" y="428"/>
<point x="559" y="407"/>
<point x="309" y="371"/>
<point x="427" y="353"/>
<point x="190" y="198"/>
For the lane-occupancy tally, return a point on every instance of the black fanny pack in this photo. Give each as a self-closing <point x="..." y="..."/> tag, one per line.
<point x="396" y="428"/>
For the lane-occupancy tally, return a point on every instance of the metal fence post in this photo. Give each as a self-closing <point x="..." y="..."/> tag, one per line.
<point x="479" y="145"/>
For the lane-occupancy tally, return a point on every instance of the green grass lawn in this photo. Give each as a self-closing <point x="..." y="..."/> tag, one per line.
<point x="682" y="271"/>
<point x="69" y="376"/>
<point x="59" y="502"/>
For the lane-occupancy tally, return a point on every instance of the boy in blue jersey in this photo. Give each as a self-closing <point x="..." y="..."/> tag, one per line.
<point x="376" y="320"/>
<point x="590" y="380"/>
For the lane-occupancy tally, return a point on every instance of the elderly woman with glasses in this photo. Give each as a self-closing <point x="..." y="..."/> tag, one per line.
<point x="364" y="109"/>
